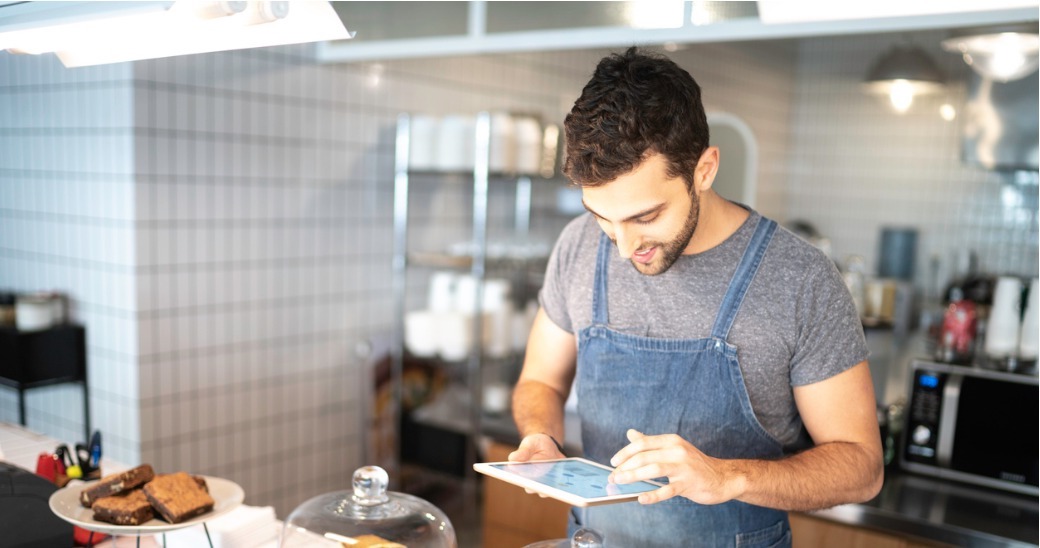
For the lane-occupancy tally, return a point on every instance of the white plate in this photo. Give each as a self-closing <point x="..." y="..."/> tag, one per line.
<point x="227" y="495"/>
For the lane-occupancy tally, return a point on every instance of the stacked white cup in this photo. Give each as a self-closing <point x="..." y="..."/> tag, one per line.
<point x="445" y="327"/>
<point x="1003" y="329"/>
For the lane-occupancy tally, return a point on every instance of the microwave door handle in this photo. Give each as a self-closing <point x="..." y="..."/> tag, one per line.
<point x="948" y="420"/>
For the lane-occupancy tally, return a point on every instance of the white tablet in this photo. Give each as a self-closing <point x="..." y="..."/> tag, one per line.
<point x="576" y="481"/>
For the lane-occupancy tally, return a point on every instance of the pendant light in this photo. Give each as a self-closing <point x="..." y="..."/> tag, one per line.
<point x="1000" y="54"/>
<point x="903" y="73"/>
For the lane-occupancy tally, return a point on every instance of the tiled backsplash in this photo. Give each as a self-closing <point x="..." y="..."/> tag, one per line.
<point x="222" y="222"/>
<point x="857" y="166"/>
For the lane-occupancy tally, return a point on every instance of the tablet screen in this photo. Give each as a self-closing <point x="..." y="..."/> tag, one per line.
<point x="580" y="478"/>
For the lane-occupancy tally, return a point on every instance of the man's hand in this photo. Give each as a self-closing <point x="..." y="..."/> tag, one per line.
<point x="536" y="446"/>
<point x="690" y="473"/>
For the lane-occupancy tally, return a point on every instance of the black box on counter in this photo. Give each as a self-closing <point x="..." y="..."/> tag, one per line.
<point x="37" y="358"/>
<point x="433" y="447"/>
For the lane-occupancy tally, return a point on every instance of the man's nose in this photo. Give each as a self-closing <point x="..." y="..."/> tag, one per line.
<point x="627" y="243"/>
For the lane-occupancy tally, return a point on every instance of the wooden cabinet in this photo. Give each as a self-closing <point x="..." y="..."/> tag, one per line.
<point x="812" y="532"/>
<point x="512" y="517"/>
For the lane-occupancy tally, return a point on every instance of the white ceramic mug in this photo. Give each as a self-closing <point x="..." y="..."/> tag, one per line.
<point x="454" y="335"/>
<point x="422" y="145"/>
<point x="420" y="333"/>
<point x="528" y="145"/>
<point x="502" y="148"/>
<point x="498" y="332"/>
<point x="455" y="142"/>
<point x="442" y="291"/>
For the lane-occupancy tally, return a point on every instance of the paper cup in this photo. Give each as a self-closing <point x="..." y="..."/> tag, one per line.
<point x="1003" y="328"/>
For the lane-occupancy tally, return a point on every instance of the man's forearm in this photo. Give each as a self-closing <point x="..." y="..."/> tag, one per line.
<point x="538" y="408"/>
<point x="824" y="476"/>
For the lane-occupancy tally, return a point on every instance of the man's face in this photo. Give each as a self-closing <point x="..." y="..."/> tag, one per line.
<point x="649" y="215"/>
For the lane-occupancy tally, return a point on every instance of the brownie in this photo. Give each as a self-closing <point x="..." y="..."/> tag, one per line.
<point x="128" y="508"/>
<point x="116" y="483"/>
<point x="372" y="541"/>
<point x="178" y="497"/>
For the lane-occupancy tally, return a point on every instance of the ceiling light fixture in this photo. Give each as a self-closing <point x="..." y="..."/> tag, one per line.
<point x="94" y="33"/>
<point x="1001" y="54"/>
<point x="903" y="73"/>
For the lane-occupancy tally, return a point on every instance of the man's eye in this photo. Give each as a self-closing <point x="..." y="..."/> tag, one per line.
<point x="646" y="220"/>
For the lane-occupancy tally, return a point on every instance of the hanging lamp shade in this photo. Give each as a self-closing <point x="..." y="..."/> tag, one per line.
<point x="902" y="73"/>
<point x="1001" y="54"/>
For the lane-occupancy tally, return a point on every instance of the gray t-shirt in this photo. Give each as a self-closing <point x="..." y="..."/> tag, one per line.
<point x="796" y="326"/>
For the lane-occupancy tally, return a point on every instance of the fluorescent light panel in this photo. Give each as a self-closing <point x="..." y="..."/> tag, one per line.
<point x="186" y="27"/>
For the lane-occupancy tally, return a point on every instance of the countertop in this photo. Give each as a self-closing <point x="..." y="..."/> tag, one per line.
<point x="944" y="511"/>
<point x="909" y="504"/>
<point x="243" y="527"/>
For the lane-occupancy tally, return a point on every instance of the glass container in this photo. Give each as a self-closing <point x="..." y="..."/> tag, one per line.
<point x="368" y="516"/>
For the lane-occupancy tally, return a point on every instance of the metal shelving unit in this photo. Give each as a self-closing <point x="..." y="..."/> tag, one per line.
<point x="477" y="264"/>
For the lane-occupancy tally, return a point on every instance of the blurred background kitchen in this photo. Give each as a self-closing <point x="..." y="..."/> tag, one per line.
<point x="221" y="227"/>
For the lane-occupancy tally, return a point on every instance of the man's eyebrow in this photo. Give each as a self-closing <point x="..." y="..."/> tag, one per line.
<point x="643" y="213"/>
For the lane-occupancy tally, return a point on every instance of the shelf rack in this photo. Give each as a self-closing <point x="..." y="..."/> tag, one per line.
<point x="476" y="263"/>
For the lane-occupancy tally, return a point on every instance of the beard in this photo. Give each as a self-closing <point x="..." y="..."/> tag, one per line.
<point x="670" y="251"/>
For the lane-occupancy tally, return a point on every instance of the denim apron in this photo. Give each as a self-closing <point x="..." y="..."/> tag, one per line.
<point x="690" y="387"/>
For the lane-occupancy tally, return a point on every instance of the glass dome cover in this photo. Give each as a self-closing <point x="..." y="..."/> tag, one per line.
<point x="368" y="516"/>
<point x="582" y="538"/>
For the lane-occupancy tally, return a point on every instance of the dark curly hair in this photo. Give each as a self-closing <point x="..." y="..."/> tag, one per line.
<point x="636" y="104"/>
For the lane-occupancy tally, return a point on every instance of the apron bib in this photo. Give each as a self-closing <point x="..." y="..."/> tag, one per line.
<point x="690" y="387"/>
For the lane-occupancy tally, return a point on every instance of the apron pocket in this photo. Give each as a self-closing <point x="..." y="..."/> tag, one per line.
<point x="774" y="536"/>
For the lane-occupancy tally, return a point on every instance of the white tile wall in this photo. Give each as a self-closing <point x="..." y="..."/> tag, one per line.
<point x="856" y="166"/>
<point x="66" y="224"/>
<point x="224" y="228"/>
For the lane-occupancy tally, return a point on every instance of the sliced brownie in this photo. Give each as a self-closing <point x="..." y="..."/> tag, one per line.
<point x="372" y="541"/>
<point x="130" y="508"/>
<point x="178" y="497"/>
<point x="116" y="483"/>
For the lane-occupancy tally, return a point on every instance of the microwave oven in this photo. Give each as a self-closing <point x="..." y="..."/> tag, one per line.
<point x="973" y="425"/>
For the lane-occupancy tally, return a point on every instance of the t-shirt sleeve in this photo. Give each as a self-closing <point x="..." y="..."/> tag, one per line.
<point x="553" y="295"/>
<point x="830" y="336"/>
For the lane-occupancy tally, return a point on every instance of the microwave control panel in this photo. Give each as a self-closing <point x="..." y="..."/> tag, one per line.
<point x="922" y="426"/>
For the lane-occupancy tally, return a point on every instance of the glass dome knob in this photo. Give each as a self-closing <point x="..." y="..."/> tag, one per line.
<point x="370" y="483"/>
<point x="586" y="538"/>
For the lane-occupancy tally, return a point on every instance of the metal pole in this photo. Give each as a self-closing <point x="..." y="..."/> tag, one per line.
<point x="400" y="263"/>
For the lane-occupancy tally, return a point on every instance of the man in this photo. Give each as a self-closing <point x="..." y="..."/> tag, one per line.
<point x="704" y="340"/>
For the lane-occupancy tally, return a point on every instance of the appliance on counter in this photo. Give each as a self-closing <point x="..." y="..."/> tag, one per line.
<point x="973" y="425"/>
<point x="26" y="518"/>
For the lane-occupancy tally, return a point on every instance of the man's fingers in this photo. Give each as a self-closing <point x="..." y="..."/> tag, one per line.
<point x="637" y="443"/>
<point x="663" y="493"/>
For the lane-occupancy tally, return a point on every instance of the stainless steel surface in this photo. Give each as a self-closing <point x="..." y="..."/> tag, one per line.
<point x="481" y="164"/>
<point x="1000" y="124"/>
<point x="400" y="263"/>
<point x="944" y="511"/>
<point x="948" y="420"/>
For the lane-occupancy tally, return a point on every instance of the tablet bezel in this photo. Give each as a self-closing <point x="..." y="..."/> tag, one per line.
<point x="490" y="469"/>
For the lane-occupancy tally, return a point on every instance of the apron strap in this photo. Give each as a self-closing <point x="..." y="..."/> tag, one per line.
<point x="599" y="292"/>
<point x="742" y="278"/>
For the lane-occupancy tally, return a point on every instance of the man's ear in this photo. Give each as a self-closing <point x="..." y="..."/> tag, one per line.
<point x="707" y="167"/>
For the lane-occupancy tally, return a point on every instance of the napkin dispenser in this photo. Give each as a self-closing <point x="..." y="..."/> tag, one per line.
<point x="26" y="519"/>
